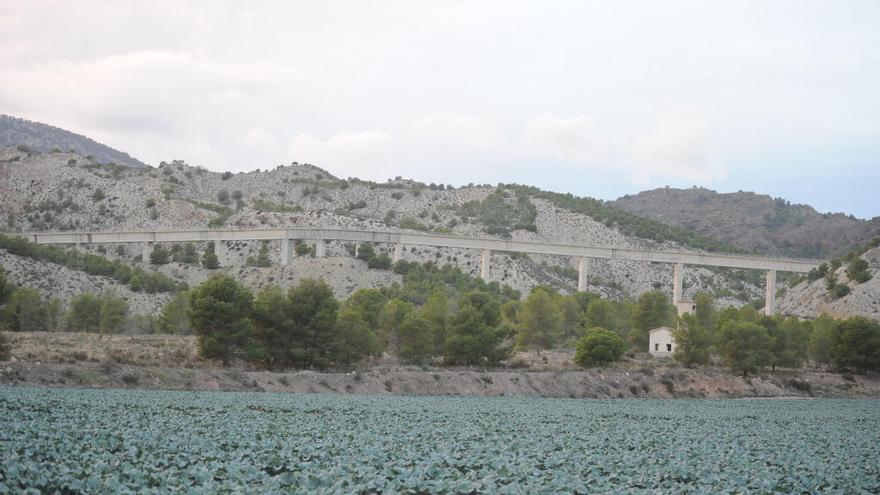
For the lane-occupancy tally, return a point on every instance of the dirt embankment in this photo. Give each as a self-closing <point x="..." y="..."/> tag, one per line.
<point x="170" y="362"/>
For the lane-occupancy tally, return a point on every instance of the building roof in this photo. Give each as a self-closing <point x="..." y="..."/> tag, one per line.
<point x="660" y="328"/>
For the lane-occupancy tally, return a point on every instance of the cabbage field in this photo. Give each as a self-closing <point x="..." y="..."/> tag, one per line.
<point x="116" y="441"/>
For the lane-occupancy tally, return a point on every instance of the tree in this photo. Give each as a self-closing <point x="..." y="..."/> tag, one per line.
<point x="220" y="310"/>
<point x="791" y="339"/>
<point x="600" y="313"/>
<point x="599" y="347"/>
<point x="745" y="346"/>
<point x="855" y="343"/>
<point x="436" y="312"/>
<point x="572" y="316"/>
<point x="391" y="318"/>
<point x="416" y="339"/>
<point x="84" y="314"/>
<point x="652" y="310"/>
<point x="474" y="337"/>
<point x="25" y="312"/>
<point x="114" y="313"/>
<point x="297" y="329"/>
<point x="821" y="340"/>
<point x="367" y="303"/>
<point x="355" y="339"/>
<point x="692" y="341"/>
<point x="540" y="322"/>
<point x="174" y="317"/>
<point x="159" y="255"/>
<point x="705" y="311"/>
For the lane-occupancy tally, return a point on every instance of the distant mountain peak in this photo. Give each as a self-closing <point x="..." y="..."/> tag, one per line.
<point x="37" y="136"/>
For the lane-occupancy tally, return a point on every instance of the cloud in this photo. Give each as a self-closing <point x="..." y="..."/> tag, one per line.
<point x="678" y="149"/>
<point x="454" y="133"/>
<point x="365" y="154"/>
<point x="153" y="104"/>
<point x="571" y="139"/>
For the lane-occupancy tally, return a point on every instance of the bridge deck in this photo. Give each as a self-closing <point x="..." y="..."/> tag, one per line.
<point x="418" y="239"/>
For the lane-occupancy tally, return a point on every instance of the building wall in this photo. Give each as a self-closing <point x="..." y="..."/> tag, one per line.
<point x="661" y="343"/>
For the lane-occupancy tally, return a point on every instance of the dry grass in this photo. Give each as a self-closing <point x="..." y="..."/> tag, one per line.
<point x="140" y="350"/>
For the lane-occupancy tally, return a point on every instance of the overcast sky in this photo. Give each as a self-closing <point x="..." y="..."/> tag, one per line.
<point x="593" y="98"/>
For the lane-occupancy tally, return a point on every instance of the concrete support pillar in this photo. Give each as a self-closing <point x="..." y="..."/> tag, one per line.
<point x="320" y="248"/>
<point x="222" y="252"/>
<point x="146" y="250"/>
<point x="286" y="251"/>
<point x="677" y="273"/>
<point x="398" y="253"/>
<point x="357" y="246"/>
<point x="484" y="264"/>
<point x="582" y="274"/>
<point x="770" y="294"/>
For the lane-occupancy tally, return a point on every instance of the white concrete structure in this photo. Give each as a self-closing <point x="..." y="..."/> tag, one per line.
<point x="661" y="343"/>
<point x="677" y="258"/>
<point x="685" y="307"/>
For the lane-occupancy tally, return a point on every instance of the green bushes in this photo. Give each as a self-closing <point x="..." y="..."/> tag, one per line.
<point x="599" y="347"/>
<point x="745" y="346"/>
<point x="855" y="344"/>
<point x="136" y="278"/>
<point x="501" y="214"/>
<point x="90" y="313"/>
<point x="262" y="259"/>
<point x="858" y="271"/>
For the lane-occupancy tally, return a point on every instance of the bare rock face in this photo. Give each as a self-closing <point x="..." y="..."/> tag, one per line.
<point x="809" y="299"/>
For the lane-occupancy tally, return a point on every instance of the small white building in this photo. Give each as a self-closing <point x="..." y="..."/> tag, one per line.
<point x="661" y="343"/>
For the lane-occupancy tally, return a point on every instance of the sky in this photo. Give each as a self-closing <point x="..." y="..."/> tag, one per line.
<point x="593" y="98"/>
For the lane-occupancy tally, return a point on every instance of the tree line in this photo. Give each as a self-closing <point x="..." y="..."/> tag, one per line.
<point x="441" y="315"/>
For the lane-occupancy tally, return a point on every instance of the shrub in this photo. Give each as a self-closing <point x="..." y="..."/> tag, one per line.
<point x="5" y="347"/>
<point x="226" y="176"/>
<point x="160" y="255"/>
<point x="839" y="290"/>
<point x="599" y="347"/>
<point x="98" y="195"/>
<point x="858" y="271"/>
<point x="223" y="197"/>
<point x="84" y="314"/>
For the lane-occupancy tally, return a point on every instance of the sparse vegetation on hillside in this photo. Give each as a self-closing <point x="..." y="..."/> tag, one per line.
<point x="501" y="212"/>
<point x="626" y="222"/>
<point x="137" y="278"/>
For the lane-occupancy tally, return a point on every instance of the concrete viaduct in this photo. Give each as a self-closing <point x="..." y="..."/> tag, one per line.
<point x="400" y="239"/>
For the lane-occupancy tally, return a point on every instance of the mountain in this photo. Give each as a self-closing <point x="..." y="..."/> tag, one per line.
<point x="35" y="136"/>
<point x="753" y="222"/>
<point x="66" y="191"/>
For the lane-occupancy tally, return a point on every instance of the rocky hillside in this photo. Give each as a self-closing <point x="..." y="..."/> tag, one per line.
<point x="753" y="222"/>
<point x="813" y="298"/>
<point x="66" y="191"/>
<point x="35" y="136"/>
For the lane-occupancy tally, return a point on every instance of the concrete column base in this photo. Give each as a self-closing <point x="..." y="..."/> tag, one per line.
<point x="320" y="248"/>
<point x="398" y="253"/>
<point x="677" y="275"/>
<point x="770" y="294"/>
<point x="222" y="252"/>
<point x="146" y="251"/>
<point x="582" y="274"/>
<point x="484" y="264"/>
<point x="286" y="251"/>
